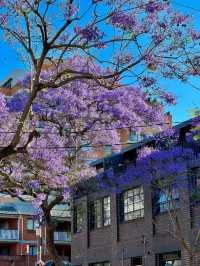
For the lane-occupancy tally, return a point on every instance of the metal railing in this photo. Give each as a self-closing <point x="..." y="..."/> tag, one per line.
<point x="9" y="234"/>
<point x="62" y="237"/>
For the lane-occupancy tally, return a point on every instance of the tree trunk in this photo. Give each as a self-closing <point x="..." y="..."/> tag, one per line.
<point x="52" y="252"/>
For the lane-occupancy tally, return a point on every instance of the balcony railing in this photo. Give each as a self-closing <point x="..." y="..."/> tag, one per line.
<point x="9" y="234"/>
<point x="62" y="237"/>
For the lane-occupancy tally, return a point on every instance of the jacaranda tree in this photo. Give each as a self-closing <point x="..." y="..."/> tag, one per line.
<point x="84" y="58"/>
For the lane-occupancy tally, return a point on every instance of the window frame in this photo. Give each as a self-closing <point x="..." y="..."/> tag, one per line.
<point x="104" y="213"/>
<point x="139" y="260"/>
<point x="35" y="224"/>
<point x="129" y="204"/>
<point x="78" y="218"/>
<point x="166" y="204"/>
<point x="33" y="250"/>
<point x="195" y="184"/>
<point x="104" y="263"/>
<point x="106" y="220"/>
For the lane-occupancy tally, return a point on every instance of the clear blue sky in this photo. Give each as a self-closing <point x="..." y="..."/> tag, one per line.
<point x="187" y="97"/>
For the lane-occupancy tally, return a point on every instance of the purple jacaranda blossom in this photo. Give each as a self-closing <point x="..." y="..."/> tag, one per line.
<point x="168" y="97"/>
<point x="179" y="19"/>
<point x="66" y="193"/>
<point x="89" y="33"/>
<point x="2" y="103"/>
<point x="195" y="35"/>
<point x="155" y="6"/>
<point x="2" y="3"/>
<point x="34" y="184"/>
<point x="83" y="109"/>
<point x="37" y="202"/>
<point x="17" y="103"/>
<point x="123" y="59"/>
<point x="148" y="81"/>
<point x="123" y="20"/>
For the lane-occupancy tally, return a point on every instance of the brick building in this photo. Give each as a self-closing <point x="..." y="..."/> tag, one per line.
<point x="18" y="239"/>
<point x="122" y="229"/>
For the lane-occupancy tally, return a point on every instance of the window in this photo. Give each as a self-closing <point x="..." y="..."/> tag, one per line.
<point x="100" y="213"/>
<point x="101" y="264"/>
<point x="168" y="199"/>
<point x="106" y="211"/>
<point x="136" y="261"/>
<point x="32" y="224"/>
<point x="32" y="250"/>
<point x="5" y="251"/>
<point x="133" y="203"/>
<point x="78" y="218"/>
<point x="107" y="150"/>
<point x="195" y="182"/>
<point x="169" y="259"/>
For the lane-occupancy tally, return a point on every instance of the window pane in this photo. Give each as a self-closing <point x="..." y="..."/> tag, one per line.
<point x="32" y="250"/>
<point x="79" y="217"/>
<point x="133" y="203"/>
<point x="30" y="224"/>
<point x="98" y="213"/>
<point x="168" y="199"/>
<point x="36" y="224"/>
<point x="106" y="211"/>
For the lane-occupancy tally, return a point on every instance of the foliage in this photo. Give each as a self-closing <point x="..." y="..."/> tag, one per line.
<point x="78" y="92"/>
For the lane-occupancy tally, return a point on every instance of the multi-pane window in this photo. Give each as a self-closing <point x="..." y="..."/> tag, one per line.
<point x="133" y="203"/>
<point x="32" y="224"/>
<point x="78" y="218"/>
<point x="32" y="250"/>
<point x="168" y="199"/>
<point x="100" y="213"/>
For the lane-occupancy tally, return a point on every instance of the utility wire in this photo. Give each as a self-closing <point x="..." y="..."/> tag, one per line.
<point x="96" y="130"/>
<point x="84" y="146"/>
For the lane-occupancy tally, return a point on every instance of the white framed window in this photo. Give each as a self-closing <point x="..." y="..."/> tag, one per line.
<point x="32" y="224"/>
<point x="133" y="203"/>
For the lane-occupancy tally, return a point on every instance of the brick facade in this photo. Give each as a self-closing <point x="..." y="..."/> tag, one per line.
<point x="123" y="243"/>
<point x="146" y="237"/>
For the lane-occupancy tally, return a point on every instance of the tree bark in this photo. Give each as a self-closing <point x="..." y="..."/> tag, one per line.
<point x="52" y="252"/>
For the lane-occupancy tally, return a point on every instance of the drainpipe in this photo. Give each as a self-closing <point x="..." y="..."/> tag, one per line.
<point x="123" y="257"/>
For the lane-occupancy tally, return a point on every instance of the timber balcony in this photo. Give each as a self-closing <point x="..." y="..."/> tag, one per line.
<point x="62" y="237"/>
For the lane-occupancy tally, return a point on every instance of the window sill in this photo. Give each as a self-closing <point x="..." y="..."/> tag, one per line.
<point x="132" y="221"/>
<point x="78" y="232"/>
<point x="101" y="228"/>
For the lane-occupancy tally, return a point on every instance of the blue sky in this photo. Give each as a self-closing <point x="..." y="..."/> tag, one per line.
<point x="187" y="96"/>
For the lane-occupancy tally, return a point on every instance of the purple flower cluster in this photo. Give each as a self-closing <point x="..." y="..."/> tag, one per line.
<point x="148" y="81"/>
<point x="155" y="6"/>
<point x="123" y="20"/>
<point x="89" y="33"/>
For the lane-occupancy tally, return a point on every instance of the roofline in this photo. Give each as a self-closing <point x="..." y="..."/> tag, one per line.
<point x="141" y="143"/>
